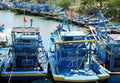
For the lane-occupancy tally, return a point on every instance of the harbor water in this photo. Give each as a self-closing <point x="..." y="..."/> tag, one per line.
<point x="10" y="20"/>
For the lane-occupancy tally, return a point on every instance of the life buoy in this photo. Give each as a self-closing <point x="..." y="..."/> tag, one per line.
<point x="90" y="31"/>
<point x="59" y="26"/>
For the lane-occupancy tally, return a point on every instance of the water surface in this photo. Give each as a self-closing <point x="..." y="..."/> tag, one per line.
<point x="10" y="20"/>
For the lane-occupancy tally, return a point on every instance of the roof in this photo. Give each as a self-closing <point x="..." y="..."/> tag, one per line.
<point x="25" y="29"/>
<point x="115" y="36"/>
<point x="73" y="33"/>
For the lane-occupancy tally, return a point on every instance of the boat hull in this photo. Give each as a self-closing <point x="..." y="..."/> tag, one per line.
<point x="114" y="78"/>
<point x="22" y="76"/>
<point x="79" y="79"/>
<point x="72" y="75"/>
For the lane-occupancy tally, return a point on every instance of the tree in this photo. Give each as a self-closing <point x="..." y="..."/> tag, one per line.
<point x="114" y="9"/>
<point x="101" y="2"/>
<point x="91" y="3"/>
<point x="88" y="3"/>
<point x="65" y="3"/>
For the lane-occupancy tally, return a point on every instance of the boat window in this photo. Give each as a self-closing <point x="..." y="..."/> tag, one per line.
<point x="77" y="38"/>
<point x="32" y="33"/>
<point x="24" y="54"/>
<point x="117" y="62"/>
<point x="37" y="33"/>
<point x="26" y="42"/>
<point x="67" y="38"/>
<point x="27" y="62"/>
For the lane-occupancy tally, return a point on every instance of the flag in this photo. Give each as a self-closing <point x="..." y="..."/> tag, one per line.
<point x="72" y="15"/>
<point x="25" y="20"/>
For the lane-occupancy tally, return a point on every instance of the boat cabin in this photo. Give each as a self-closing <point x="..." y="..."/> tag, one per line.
<point x="72" y="50"/>
<point x="114" y="44"/>
<point x="110" y="54"/>
<point x="26" y="46"/>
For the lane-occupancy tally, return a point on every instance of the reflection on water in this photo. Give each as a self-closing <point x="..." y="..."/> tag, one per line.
<point x="42" y="81"/>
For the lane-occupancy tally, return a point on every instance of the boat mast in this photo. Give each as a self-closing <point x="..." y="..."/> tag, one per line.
<point x="24" y="17"/>
<point x="65" y="22"/>
<point x="55" y="2"/>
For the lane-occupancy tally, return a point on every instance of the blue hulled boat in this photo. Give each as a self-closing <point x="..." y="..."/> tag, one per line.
<point x="4" y="49"/>
<point x="70" y="57"/>
<point x="33" y="9"/>
<point x="3" y="56"/>
<point x="27" y="59"/>
<point x="3" y="6"/>
<point x="108" y="51"/>
<point x="108" y="57"/>
<point x="94" y="21"/>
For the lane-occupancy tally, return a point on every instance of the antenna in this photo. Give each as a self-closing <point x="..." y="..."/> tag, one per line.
<point x="25" y="20"/>
<point x="31" y="21"/>
<point x="65" y="22"/>
<point x="24" y="17"/>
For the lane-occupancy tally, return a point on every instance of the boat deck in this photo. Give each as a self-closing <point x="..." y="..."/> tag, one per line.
<point x="3" y="55"/>
<point x="115" y="36"/>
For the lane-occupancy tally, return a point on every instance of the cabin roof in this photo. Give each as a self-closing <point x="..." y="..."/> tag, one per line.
<point x="73" y="33"/>
<point x="115" y="36"/>
<point x="25" y="29"/>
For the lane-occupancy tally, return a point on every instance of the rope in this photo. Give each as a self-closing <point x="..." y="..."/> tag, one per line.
<point x="11" y="72"/>
<point x="98" y="39"/>
<point x="83" y="58"/>
<point x="75" y="41"/>
<point x="58" y="36"/>
<point x="77" y="57"/>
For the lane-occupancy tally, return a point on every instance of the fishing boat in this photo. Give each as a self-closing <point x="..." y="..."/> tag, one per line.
<point x="2" y="28"/>
<point x="107" y="52"/>
<point x="3" y="6"/>
<point x="27" y="59"/>
<point x="4" y="50"/>
<point x="114" y="28"/>
<point x="94" y="21"/>
<point x="33" y="9"/>
<point x="79" y="20"/>
<point x="21" y="7"/>
<point x="70" y="57"/>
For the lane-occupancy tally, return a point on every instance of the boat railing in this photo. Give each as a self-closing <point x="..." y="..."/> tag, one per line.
<point x="71" y="57"/>
<point x="26" y="44"/>
<point x="74" y="41"/>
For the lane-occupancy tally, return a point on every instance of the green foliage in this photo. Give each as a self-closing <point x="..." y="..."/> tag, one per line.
<point x="114" y="9"/>
<point x="113" y="4"/>
<point x="89" y="3"/>
<point x="78" y="9"/>
<point x="32" y="1"/>
<point x="50" y="2"/>
<point x="64" y="3"/>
